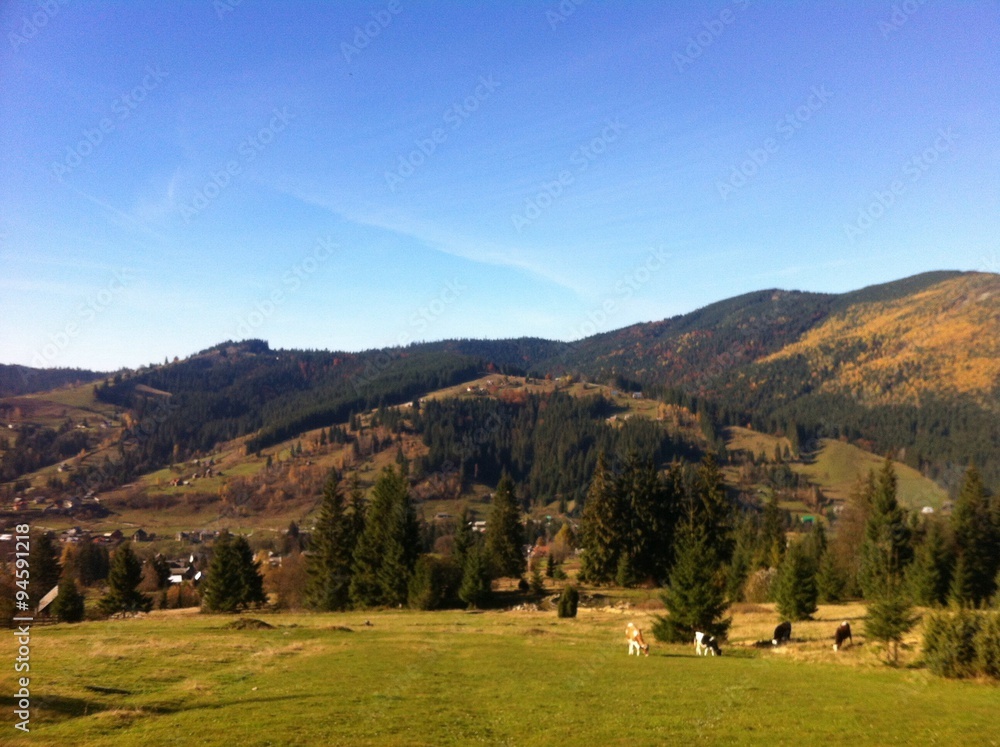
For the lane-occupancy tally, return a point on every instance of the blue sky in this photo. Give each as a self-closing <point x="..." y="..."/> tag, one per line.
<point x="348" y="175"/>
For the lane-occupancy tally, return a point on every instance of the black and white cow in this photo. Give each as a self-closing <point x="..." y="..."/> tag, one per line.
<point x="843" y="634"/>
<point x="782" y="634"/>
<point x="705" y="644"/>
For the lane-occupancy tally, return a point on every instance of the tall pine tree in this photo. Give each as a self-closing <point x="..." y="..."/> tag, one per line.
<point x="795" y="591"/>
<point x="331" y="551"/>
<point x="123" y="594"/>
<point x="976" y="541"/>
<point x="232" y="580"/>
<point x="43" y="560"/>
<point x="695" y="597"/>
<point x="711" y="508"/>
<point x="600" y="526"/>
<point x="387" y="549"/>
<point x="504" y="533"/>
<point x="886" y="549"/>
<point x="929" y="575"/>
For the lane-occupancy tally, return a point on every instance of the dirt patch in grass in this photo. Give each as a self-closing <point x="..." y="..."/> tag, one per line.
<point x="248" y="623"/>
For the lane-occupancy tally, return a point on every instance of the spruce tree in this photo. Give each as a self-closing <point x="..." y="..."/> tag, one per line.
<point x="771" y="544"/>
<point x="795" y="590"/>
<point x="251" y="579"/>
<point x="233" y="581"/>
<point x="886" y="549"/>
<point x="504" y="533"/>
<point x="476" y="588"/>
<point x="387" y="549"/>
<point x="124" y="576"/>
<point x="695" y="597"/>
<point x="928" y="577"/>
<point x="648" y="520"/>
<point x="600" y="526"/>
<point x="43" y="561"/>
<point x="890" y="616"/>
<point x="69" y="604"/>
<point x="962" y="590"/>
<point x="92" y="562"/>
<point x="741" y="565"/>
<point x="712" y="509"/>
<point x="831" y="581"/>
<point x="976" y="541"/>
<point x="330" y="552"/>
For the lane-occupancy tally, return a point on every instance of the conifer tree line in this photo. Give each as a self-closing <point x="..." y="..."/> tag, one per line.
<point x="679" y="529"/>
<point x="369" y="553"/>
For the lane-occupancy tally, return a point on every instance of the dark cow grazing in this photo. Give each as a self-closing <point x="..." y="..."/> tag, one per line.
<point x="843" y="634"/>
<point x="782" y="634"/>
<point x="705" y="644"/>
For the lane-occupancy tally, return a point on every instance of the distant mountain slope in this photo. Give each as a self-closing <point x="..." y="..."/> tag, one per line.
<point x="16" y="380"/>
<point x="911" y="366"/>
<point x="940" y="341"/>
<point x="695" y="351"/>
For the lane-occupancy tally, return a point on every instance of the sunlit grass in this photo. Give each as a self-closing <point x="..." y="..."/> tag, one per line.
<point x="454" y="678"/>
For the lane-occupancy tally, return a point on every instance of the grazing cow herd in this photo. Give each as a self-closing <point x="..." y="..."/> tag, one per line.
<point x="705" y="644"/>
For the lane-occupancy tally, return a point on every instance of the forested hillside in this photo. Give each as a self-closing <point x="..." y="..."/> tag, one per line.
<point x="911" y="367"/>
<point x="15" y="380"/>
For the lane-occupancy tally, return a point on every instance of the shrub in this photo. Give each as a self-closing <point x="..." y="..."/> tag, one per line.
<point x="987" y="645"/>
<point x="963" y="643"/>
<point x="568" y="602"/>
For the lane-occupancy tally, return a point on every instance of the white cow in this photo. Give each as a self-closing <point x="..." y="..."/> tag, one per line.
<point x="635" y="643"/>
<point x="705" y="644"/>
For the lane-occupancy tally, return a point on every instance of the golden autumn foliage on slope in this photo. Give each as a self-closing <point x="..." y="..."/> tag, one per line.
<point x="944" y="340"/>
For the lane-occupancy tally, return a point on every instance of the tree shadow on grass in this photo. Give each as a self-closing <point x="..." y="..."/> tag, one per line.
<point x="59" y="706"/>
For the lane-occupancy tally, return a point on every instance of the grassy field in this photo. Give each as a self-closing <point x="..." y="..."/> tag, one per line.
<point x="838" y="465"/>
<point x="455" y="678"/>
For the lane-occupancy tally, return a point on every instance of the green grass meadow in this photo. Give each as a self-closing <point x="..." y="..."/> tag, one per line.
<point x="458" y="678"/>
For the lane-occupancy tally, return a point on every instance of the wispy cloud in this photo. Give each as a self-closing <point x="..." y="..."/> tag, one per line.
<point x="446" y="240"/>
<point x="119" y="218"/>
